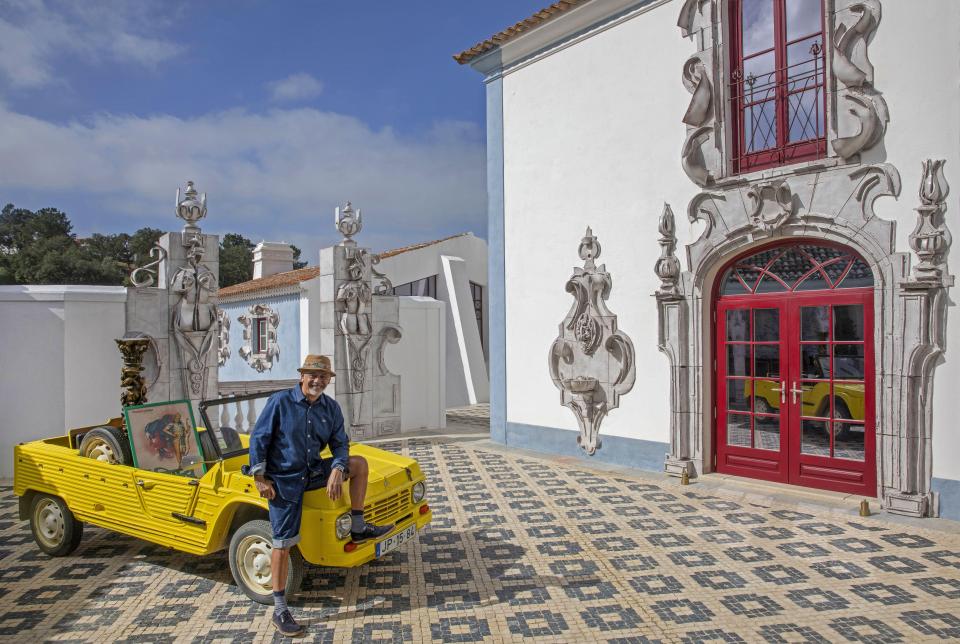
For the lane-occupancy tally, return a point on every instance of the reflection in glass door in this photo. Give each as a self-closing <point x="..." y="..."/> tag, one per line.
<point x="794" y="369"/>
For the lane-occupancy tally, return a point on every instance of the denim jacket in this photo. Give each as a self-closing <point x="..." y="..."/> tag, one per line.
<point x="289" y="435"/>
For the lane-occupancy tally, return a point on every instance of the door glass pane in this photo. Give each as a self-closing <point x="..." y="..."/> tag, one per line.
<point x="738" y="325"/>
<point x="738" y="430"/>
<point x="766" y="433"/>
<point x="848" y="322"/>
<point x="766" y="397"/>
<point x="731" y="285"/>
<point x="757" y="25"/>
<point x="848" y="401"/>
<point x="766" y="361"/>
<point x="791" y="266"/>
<point x="814" y="438"/>
<point x="738" y="395"/>
<point x="803" y="18"/>
<point x="770" y="285"/>
<point x="859" y="275"/>
<point x="848" y="361"/>
<point x="749" y="276"/>
<point x="814" y="323"/>
<point x="766" y="325"/>
<point x="738" y="359"/>
<point x="814" y="361"/>
<point x="848" y="441"/>
<point x="815" y="399"/>
<point x="813" y="282"/>
<point x="835" y="270"/>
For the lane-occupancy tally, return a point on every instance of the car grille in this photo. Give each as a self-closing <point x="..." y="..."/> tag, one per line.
<point x="387" y="509"/>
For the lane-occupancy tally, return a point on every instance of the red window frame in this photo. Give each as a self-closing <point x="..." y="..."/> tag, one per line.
<point x="783" y="152"/>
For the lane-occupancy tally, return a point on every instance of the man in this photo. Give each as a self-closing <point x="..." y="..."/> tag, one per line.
<point x="293" y="428"/>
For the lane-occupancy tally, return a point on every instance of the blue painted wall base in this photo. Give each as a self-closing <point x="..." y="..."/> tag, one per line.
<point x="949" y="491"/>
<point x="615" y="450"/>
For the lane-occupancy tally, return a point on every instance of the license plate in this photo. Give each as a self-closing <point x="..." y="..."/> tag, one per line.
<point x="394" y="541"/>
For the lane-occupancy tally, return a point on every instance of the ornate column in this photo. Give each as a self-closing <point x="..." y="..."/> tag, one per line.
<point x="131" y="378"/>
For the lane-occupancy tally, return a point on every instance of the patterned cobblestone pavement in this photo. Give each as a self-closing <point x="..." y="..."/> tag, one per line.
<point x="523" y="548"/>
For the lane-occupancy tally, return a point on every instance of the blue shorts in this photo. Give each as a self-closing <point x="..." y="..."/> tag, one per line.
<point x="285" y="515"/>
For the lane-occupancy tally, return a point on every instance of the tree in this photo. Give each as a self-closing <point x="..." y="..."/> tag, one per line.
<point x="236" y="259"/>
<point x="296" y="258"/>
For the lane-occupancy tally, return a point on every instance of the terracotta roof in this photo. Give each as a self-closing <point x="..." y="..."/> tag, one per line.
<point x="534" y="21"/>
<point x="289" y="278"/>
<point x="397" y="251"/>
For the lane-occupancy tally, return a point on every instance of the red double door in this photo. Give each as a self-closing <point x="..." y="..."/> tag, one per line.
<point x="794" y="388"/>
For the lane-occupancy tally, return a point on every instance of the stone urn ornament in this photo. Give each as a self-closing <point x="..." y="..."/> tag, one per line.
<point x="591" y="362"/>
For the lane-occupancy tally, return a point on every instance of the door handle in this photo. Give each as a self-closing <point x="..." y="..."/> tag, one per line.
<point x="146" y="485"/>
<point x="782" y="390"/>
<point x="795" y="391"/>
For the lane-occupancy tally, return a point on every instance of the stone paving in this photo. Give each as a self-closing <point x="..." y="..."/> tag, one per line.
<point x="523" y="547"/>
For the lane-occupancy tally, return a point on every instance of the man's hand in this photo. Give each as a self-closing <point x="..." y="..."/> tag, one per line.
<point x="264" y="487"/>
<point x="335" y="484"/>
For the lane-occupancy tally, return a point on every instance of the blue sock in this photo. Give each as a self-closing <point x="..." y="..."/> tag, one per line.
<point x="356" y="518"/>
<point x="279" y="602"/>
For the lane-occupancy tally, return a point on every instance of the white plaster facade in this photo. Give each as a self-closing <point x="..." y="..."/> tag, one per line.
<point x="584" y="129"/>
<point x="61" y="364"/>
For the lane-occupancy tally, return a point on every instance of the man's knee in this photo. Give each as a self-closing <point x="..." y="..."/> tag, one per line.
<point x="358" y="466"/>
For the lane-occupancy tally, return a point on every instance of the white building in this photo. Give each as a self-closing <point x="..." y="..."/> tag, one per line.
<point x="800" y="335"/>
<point x="270" y="324"/>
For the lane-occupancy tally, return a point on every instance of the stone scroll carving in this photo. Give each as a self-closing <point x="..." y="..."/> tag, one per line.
<point x="770" y="204"/>
<point x="931" y="238"/>
<point x="699" y="155"/>
<point x="259" y="360"/>
<point x="591" y="362"/>
<point x="854" y="74"/>
<point x="223" y="336"/>
<point x="667" y="267"/>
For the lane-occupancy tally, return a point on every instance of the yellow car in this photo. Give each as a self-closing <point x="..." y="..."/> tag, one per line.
<point x="60" y="490"/>
<point x="848" y="398"/>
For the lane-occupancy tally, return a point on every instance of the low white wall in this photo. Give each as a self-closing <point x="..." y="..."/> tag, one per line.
<point x="419" y="360"/>
<point x="61" y="366"/>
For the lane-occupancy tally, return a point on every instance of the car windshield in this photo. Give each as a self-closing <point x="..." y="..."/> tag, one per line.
<point x="225" y="419"/>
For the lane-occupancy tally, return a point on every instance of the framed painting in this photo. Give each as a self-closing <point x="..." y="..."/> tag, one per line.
<point x="163" y="438"/>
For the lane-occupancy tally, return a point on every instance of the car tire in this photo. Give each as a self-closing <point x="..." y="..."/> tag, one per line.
<point x="55" y="529"/>
<point x="761" y="406"/>
<point x="250" y="551"/>
<point x="107" y="444"/>
<point x="842" y="412"/>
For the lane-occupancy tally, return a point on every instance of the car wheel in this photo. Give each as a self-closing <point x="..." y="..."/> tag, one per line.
<point x="250" y="552"/>
<point x="54" y="527"/>
<point x="107" y="444"/>
<point x="841" y="411"/>
<point x="761" y="406"/>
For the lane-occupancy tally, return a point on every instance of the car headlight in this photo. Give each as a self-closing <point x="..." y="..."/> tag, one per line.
<point x="343" y="525"/>
<point x="419" y="491"/>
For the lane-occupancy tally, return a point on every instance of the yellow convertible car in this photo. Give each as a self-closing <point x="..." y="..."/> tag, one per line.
<point x="61" y="489"/>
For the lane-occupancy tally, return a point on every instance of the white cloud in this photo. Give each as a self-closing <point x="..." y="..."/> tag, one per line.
<point x="296" y="87"/>
<point x="277" y="173"/>
<point x="35" y="33"/>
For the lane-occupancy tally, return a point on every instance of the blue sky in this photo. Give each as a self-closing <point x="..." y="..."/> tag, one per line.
<point x="278" y="110"/>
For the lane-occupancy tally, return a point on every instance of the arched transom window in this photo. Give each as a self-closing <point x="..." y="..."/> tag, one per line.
<point x="800" y="267"/>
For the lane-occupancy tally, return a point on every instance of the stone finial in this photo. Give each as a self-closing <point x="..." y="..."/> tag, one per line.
<point x="667" y="267"/>
<point x="349" y="222"/>
<point x="931" y="239"/>
<point x="190" y="209"/>
<point x="589" y="249"/>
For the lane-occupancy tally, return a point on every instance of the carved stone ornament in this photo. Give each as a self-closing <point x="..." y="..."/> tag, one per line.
<point x="151" y="268"/>
<point x="854" y="73"/>
<point x="667" y="267"/>
<point x="591" y="362"/>
<point x="349" y="222"/>
<point x="700" y="154"/>
<point x="259" y="360"/>
<point x="223" y="326"/>
<point x="194" y="316"/>
<point x="931" y="238"/>
<point x="770" y="204"/>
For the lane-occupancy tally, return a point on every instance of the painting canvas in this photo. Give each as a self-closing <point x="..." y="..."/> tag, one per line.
<point x="163" y="438"/>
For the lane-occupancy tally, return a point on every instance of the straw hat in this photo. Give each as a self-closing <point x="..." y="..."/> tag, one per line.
<point x="316" y="363"/>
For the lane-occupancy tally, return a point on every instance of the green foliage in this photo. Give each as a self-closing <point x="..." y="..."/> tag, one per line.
<point x="296" y="258"/>
<point x="236" y="259"/>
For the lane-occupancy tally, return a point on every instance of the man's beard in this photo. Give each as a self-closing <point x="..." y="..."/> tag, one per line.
<point x="315" y="390"/>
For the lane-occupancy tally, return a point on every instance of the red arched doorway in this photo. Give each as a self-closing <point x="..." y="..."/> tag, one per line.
<point x="794" y="367"/>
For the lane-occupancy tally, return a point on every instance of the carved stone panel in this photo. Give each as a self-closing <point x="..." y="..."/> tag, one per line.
<point x="591" y="362"/>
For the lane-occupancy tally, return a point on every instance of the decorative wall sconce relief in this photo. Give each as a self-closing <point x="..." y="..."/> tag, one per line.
<point x="591" y="362"/>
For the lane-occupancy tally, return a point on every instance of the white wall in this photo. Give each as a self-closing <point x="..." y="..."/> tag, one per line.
<point x="423" y="262"/>
<point x="60" y="365"/>
<point x="592" y="136"/>
<point x="419" y="359"/>
<point x="916" y="53"/>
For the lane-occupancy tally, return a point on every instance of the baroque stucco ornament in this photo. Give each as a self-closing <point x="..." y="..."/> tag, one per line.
<point x="262" y="360"/>
<point x="770" y="204"/>
<point x="591" y="381"/>
<point x="699" y="155"/>
<point x="931" y="238"/>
